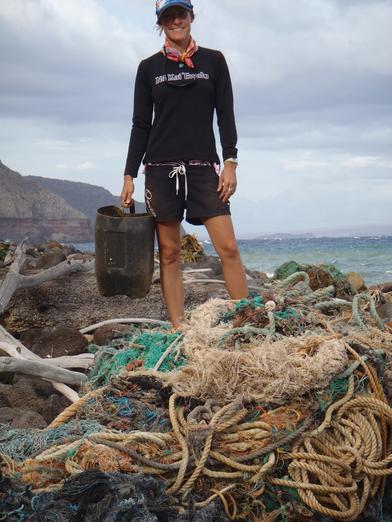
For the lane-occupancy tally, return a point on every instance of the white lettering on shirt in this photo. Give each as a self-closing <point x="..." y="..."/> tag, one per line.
<point x="181" y="76"/>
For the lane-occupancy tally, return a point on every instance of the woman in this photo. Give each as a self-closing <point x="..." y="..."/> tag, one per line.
<point x="183" y="84"/>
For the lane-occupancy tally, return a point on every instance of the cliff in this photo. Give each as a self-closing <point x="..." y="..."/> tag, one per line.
<point x="29" y="210"/>
<point x="82" y="196"/>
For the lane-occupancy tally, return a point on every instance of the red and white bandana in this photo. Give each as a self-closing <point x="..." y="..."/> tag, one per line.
<point x="176" y="56"/>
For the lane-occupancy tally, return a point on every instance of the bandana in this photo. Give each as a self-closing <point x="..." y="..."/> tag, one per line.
<point x="176" y="56"/>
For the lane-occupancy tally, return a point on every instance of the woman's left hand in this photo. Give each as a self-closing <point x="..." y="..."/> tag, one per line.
<point x="227" y="181"/>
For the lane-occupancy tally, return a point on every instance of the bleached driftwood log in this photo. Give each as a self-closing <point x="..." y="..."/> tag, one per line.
<point x="84" y="360"/>
<point x="14" y="280"/>
<point x="21" y="357"/>
<point x="40" y="369"/>
<point x="21" y="352"/>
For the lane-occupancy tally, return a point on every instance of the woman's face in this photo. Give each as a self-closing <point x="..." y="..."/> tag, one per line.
<point x="176" y="23"/>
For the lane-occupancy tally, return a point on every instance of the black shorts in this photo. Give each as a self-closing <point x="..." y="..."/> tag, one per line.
<point x="167" y="195"/>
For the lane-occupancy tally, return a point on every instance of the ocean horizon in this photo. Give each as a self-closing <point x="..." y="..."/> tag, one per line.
<point x="369" y="256"/>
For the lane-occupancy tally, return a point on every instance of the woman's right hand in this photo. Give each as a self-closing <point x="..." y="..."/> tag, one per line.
<point x="127" y="192"/>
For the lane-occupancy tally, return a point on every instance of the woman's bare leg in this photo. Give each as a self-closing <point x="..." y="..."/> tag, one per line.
<point x="221" y="232"/>
<point x="169" y="242"/>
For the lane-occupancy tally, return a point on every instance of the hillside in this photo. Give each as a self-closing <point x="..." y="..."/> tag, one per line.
<point x="44" y="208"/>
<point x="29" y="210"/>
<point x="82" y="196"/>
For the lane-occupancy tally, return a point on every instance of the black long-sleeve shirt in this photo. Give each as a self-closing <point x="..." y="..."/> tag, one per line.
<point x="182" y="127"/>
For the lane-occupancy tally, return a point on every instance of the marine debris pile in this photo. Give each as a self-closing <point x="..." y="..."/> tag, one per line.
<point x="269" y="408"/>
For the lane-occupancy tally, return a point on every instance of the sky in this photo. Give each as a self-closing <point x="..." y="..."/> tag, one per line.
<point x="312" y="83"/>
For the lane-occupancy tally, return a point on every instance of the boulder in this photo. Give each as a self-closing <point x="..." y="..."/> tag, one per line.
<point x="212" y="262"/>
<point x="104" y="334"/>
<point x="258" y="277"/>
<point x="4" y="401"/>
<point x="21" y="418"/>
<point x="54" y="244"/>
<point x="54" y="342"/>
<point x="54" y="405"/>
<point x="50" y="258"/>
<point x="385" y="311"/>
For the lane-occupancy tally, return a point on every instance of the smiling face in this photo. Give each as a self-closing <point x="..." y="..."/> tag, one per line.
<point x="176" y="24"/>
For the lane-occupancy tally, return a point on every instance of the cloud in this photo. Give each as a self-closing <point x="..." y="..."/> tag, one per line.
<point x="86" y="165"/>
<point x="61" y="166"/>
<point x="312" y="83"/>
<point x="367" y="161"/>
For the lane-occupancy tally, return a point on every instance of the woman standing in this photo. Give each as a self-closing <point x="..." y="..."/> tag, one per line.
<point x="182" y="85"/>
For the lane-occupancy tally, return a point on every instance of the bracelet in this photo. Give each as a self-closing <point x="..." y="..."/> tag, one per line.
<point x="231" y="160"/>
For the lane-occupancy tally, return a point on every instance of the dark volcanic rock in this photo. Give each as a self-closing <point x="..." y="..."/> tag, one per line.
<point x="104" y="334"/>
<point x="54" y="342"/>
<point x="21" y="418"/>
<point x="54" y="405"/>
<point x="212" y="262"/>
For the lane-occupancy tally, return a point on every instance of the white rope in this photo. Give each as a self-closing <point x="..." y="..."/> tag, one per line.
<point x="179" y="170"/>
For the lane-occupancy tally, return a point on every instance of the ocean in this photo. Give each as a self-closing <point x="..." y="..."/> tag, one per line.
<point x="371" y="257"/>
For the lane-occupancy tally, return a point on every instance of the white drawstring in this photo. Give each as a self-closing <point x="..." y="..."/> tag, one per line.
<point x="179" y="169"/>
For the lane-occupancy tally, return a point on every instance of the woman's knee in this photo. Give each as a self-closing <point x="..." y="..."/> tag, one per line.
<point x="169" y="253"/>
<point x="229" y="250"/>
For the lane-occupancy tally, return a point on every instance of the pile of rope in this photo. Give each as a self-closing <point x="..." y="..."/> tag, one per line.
<point x="191" y="249"/>
<point x="272" y="408"/>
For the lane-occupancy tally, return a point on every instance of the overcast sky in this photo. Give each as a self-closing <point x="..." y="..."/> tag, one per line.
<point x="313" y="99"/>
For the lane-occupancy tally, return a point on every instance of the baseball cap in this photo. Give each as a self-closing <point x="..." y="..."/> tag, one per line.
<point x="162" y="5"/>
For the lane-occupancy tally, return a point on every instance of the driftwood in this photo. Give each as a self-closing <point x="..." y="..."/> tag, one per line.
<point x="21" y="352"/>
<point x="21" y="358"/>
<point x="124" y="320"/>
<point x="217" y="281"/>
<point x="40" y="369"/>
<point x="84" y="360"/>
<point x="14" y="280"/>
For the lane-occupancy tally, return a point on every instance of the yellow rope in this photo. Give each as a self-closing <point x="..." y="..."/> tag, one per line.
<point x="73" y="409"/>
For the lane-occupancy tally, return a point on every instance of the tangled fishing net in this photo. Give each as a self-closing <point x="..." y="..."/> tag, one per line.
<point x="270" y="408"/>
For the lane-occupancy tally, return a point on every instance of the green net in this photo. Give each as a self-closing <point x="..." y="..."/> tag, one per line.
<point x="321" y="276"/>
<point x="20" y="444"/>
<point x="141" y="349"/>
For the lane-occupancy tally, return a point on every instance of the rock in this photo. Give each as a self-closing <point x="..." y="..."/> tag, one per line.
<point x="356" y="281"/>
<point x="54" y="244"/>
<point x="4" y="401"/>
<point x="212" y="262"/>
<point x="104" y="334"/>
<point x="6" y="415"/>
<point x="80" y="257"/>
<point x="7" y="377"/>
<point x="32" y="251"/>
<point x="42" y="388"/>
<point x="50" y="258"/>
<point x="21" y="418"/>
<point x="385" y="311"/>
<point x="76" y="257"/>
<point x="54" y="405"/>
<point x="30" y="263"/>
<point x="70" y="249"/>
<point x="22" y="394"/>
<point x="54" y="342"/>
<point x="258" y="277"/>
<point x="28" y="419"/>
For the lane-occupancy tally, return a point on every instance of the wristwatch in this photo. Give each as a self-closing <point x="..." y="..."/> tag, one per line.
<point x="231" y="160"/>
